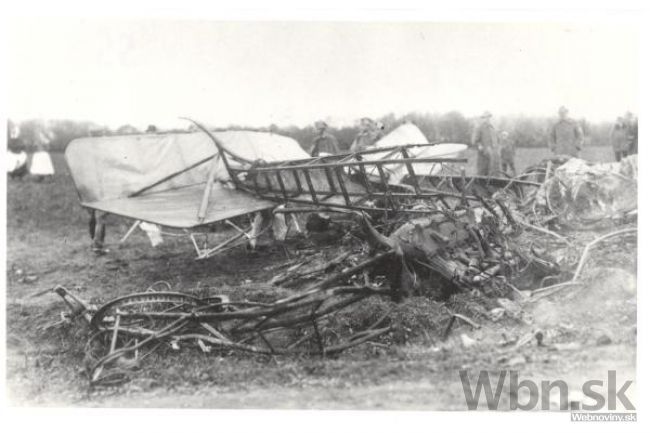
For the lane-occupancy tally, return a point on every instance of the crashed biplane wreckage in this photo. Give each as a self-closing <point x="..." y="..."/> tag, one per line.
<point x="174" y="181"/>
<point x="188" y="181"/>
<point x="417" y="226"/>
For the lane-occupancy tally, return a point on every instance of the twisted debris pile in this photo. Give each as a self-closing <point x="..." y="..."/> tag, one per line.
<point x="579" y="194"/>
<point x="510" y="240"/>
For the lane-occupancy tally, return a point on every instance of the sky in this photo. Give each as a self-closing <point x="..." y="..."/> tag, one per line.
<point x="144" y="72"/>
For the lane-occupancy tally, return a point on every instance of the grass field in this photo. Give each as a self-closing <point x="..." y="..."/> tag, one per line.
<point x="47" y="238"/>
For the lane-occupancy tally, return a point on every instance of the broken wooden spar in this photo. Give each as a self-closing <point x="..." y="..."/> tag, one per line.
<point x="351" y="180"/>
<point x="367" y="180"/>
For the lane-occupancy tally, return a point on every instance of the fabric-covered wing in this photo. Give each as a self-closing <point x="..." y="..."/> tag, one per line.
<point x="114" y="167"/>
<point x="178" y="208"/>
<point x="161" y="178"/>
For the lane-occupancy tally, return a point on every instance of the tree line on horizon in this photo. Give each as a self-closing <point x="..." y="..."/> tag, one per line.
<point x="450" y="127"/>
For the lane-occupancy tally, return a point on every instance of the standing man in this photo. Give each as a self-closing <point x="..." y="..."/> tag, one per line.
<point x="507" y="149"/>
<point x="485" y="140"/>
<point x="619" y="139"/>
<point x="566" y="136"/>
<point x="324" y="143"/>
<point x="633" y="133"/>
<point x="369" y="134"/>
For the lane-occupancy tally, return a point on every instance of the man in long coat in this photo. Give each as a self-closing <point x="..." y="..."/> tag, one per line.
<point x="566" y="136"/>
<point x="484" y="138"/>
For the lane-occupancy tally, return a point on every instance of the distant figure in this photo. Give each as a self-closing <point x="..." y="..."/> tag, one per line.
<point x="41" y="167"/>
<point x="619" y="139"/>
<point x="484" y="138"/>
<point x="127" y="130"/>
<point x="566" y="136"/>
<point x="507" y="150"/>
<point x="324" y="143"/>
<point x="97" y="131"/>
<point x="16" y="155"/>
<point x="633" y="133"/>
<point x="151" y="129"/>
<point x="369" y="134"/>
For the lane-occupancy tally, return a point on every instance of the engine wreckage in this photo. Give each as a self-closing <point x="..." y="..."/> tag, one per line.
<point x="420" y="232"/>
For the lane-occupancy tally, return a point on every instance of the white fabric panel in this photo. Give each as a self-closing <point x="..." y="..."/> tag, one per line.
<point x="41" y="164"/>
<point x="408" y="133"/>
<point x="113" y="167"/>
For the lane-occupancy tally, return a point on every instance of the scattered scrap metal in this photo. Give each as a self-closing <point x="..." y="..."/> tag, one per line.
<point x="126" y="327"/>
<point x="495" y="237"/>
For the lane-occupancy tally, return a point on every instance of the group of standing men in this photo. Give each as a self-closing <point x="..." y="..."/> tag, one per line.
<point x="624" y="136"/>
<point x="496" y="151"/>
<point x="326" y="144"/>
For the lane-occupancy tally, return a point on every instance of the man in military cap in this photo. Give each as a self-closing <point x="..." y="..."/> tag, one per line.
<point x="619" y="138"/>
<point x="324" y="143"/>
<point x="369" y="134"/>
<point x="566" y="136"/>
<point x="485" y="140"/>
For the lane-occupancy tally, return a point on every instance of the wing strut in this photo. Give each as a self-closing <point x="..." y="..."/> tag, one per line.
<point x="203" y="209"/>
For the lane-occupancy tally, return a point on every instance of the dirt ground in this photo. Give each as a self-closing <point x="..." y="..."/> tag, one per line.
<point x="585" y="331"/>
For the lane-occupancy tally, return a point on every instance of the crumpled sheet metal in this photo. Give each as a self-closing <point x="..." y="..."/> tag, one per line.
<point x="580" y="191"/>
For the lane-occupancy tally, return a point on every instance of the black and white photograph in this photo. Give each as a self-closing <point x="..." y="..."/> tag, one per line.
<point x="366" y="211"/>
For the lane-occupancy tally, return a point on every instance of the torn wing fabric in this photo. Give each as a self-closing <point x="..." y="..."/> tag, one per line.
<point x="279" y="225"/>
<point x="408" y="133"/>
<point x="153" y="233"/>
<point x="256" y="229"/>
<point x="108" y="170"/>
